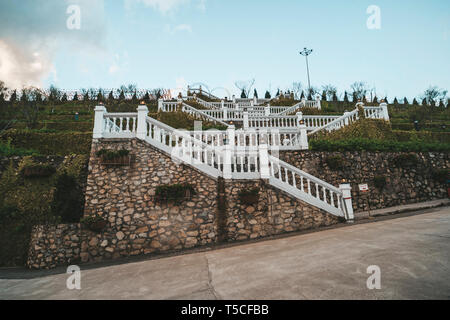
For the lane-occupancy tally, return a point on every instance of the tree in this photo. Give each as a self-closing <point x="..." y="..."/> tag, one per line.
<point x="324" y="96"/>
<point x="359" y="90"/>
<point x="302" y="96"/>
<point x="64" y="98"/>
<point x="245" y="86"/>
<point x="75" y="97"/>
<point x="424" y="102"/>
<point x="29" y="106"/>
<point x="386" y="100"/>
<point x="334" y="98"/>
<point x="13" y="97"/>
<point x="147" y="96"/>
<point x="122" y="96"/>
<point x="255" y="94"/>
<point x="415" y="103"/>
<point x="297" y="89"/>
<point x="329" y="91"/>
<point x="375" y="99"/>
<point x="267" y="95"/>
<point x="111" y="96"/>
<point x="405" y="101"/>
<point x="395" y="101"/>
<point x="345" y="96"/>
<point x="434" y="94"/>
<point x="243" y="95"/>
<point x="54" y="94"/>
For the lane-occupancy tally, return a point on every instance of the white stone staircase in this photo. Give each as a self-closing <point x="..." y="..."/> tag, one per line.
<point x="227" y="160"/>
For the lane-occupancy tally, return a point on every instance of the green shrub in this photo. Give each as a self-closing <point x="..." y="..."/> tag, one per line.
<point x="441" y="175"/>
<point x="68" y="199"/>
<point x="94" y="223"/>
<point x="175" y="192"/>
<point x="6" y="149"/>
<point x="60" y="143"/>
<point x="37" y="170"/>
<point x="249" y="196"/>
<point x="379" y="182"/>
<point x="106" y="154"/>
<point x="405" y="160"/>
<point x="335" y="162"/>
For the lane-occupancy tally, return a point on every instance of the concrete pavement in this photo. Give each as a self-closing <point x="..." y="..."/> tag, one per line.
<point x="413" y="253"/>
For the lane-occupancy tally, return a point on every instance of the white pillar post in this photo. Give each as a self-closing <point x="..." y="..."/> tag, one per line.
<point x="99" y="121"/>
<point x="299" y="118"/>
<point x="255" y="100"/>
<point x="225" y="114"/>
<point x="160" y="104"/>
<point x="267" y="110"/>
<point x="304" y="102"/>
<point x="234" y="98"/>
<point x="384" y="108"/>
<point x="141" y="130"/>
<point x="222" y="104"/>
<point x="319" y="106"/>
<point x="229" y="149"/>
<point x="264" y="161"/>
<point x="346" y="122"/>
<point x="347" y="199"/>
<point x="304" y="145"/>
<point x="245" y="120"/>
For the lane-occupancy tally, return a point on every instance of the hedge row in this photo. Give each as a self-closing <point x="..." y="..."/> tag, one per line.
<point x="59" y="143"/>
<point x="360" y="144"/>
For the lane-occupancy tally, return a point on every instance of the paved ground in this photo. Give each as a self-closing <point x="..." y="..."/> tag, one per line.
<point x="413" y="253"/>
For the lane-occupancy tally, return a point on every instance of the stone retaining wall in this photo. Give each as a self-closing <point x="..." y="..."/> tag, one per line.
<point x="404" y="184"/>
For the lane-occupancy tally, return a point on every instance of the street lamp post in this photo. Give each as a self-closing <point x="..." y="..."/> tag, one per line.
<point x="306" y="52"/>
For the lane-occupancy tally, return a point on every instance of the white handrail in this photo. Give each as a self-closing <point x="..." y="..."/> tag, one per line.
<point x="201" y="114"/>
<point x="306" y="187"/>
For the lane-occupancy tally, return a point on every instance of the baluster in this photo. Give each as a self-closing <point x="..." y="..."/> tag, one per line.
<point x="324" y="194"/>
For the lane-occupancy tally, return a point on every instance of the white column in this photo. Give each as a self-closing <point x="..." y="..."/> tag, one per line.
<point x="234" y="98"/>
<point x="264" y="161"/>
<point x="304" y="145"/>
<point x="346" y="122"/>
<point x="304" y="102"/>
<point x="99" y="121"/>
<point x="222" y="104"/>
<point x="179" y="104"/>
<point x="384" y="108"/>
<point x="160" y="104"/>
<point x="141" y="130"/>
<point x="255" y="100"/>
<point x="319" y="106"/>
<point x="245" y="120"/>
<point x="229" y="149"/>
<point x="347" y="198"/>
<point x="299" y="118"/>
<point x="267" y="110"/>
<point x="225" y="114"/>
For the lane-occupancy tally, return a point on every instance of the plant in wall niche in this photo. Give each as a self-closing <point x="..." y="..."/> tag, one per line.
<point x="94" y="223"/>
<point x="249" y="196"/>
<point x="379" y="182"/>
<point x="112" y="157"/>
<point x="441" y="175"/>
<point x="405" y="160"/>
<point x="174" y="192"/>
<point x="33" y="170"/>
<point x="335" y="162"/>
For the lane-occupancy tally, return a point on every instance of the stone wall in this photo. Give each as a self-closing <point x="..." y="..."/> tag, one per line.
<point x="275" y="212"/>
<point x="404" y="184"/>
<point x="137" y="224"/>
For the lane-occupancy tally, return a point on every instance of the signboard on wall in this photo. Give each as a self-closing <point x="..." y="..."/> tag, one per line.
<point x="364" y="187"/>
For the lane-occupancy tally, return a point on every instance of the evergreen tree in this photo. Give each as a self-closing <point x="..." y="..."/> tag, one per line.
<point x="75" y="97"/>
<point x="13" y="97"/>
<point x="354" y="97"/>
<point x="441" y="103"/>
<point x="243" y="95"/>
<point x="424" y="102"/>
<point x="86" y="97"/>
<point x="335" y="98"/>
<point x="2" y="98"/>
<point x="415" y="102"/>
<point x="134" y="97"/>
<point x="147" y="96"/>
<point x="99" y="96"/>
<point x="386" y="100"/>
<point x="255" y="94"/>
<point x="302" y="96"/>
<point x="111" y="96"/>
<point x="267" y="95"/>
<point x="395" y="101"/>
<point x="345" y="96"/>
<point x="375" y="99"/>
<point x="405" y="101"/>
<point x="324" y="96"/>
<point x="24" y="97"/>
<point x="309" y="96"/>
<point x="122" y="95"/>
<point x="64" y="98"/>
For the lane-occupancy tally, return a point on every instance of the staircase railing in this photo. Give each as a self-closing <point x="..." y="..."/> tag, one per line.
<point x="306" y="187"/>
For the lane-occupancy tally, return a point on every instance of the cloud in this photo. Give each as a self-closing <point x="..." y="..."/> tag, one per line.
<point x="32" y="32"/>
<point x="164" y="6"/>
<point x="178" y="28"/>
<point x="119" y="63"/>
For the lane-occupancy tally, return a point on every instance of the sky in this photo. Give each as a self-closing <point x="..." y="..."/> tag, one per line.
<point x="174" y="43"/>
